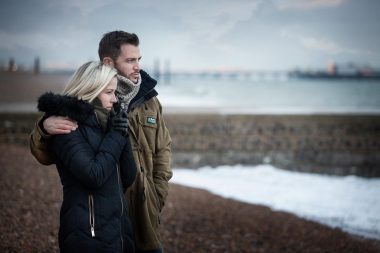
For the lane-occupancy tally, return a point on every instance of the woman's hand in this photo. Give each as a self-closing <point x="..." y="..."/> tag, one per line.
<point x="119" y="122"/>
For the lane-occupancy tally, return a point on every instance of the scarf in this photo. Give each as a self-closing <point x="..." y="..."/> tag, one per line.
<point x="126" y="91"/>
<point x="102" y="113"/>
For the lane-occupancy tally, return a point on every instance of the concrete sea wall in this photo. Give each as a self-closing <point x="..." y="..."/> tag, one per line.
<point x="329" y="144"/>
<point x="332" y="144"/>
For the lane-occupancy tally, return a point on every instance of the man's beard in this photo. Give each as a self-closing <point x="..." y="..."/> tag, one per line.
<point x="137" y="79"/>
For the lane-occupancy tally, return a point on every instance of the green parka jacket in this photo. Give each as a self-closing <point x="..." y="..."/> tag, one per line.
<point x="151" y="146"/>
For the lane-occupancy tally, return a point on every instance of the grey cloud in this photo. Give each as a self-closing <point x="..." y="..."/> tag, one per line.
<point x="307" y="4"/>
<point x="210" y="19"/>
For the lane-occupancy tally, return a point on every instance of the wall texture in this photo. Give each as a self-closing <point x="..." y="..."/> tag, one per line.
<point x="331" y="144"/>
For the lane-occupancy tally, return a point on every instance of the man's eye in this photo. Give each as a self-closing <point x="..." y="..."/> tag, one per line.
<point x="132" y="60"/>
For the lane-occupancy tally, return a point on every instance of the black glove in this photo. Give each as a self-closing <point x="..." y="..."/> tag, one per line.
<point x="116" y="108"/>
<point x="119" y="122"/>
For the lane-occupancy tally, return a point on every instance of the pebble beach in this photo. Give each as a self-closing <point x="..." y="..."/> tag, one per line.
<point x="193" y="220"/>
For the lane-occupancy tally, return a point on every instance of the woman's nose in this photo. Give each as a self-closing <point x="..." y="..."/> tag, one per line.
<point x="114" y="99"/>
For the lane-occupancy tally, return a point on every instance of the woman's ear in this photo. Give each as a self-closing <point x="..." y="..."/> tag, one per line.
<point x="108" y="61"/>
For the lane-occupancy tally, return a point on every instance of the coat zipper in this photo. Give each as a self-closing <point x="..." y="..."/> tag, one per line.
<point x="91" y="214"/>
<point x="122" y="206"/>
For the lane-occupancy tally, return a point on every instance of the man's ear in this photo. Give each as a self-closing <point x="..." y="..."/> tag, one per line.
<point x="108" y="61"/>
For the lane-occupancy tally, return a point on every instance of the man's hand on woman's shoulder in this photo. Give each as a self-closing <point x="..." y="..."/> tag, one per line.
<point x="59" y="125"/>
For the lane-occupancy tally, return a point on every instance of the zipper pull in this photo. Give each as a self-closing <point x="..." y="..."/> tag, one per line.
<point x="92" y="232"/>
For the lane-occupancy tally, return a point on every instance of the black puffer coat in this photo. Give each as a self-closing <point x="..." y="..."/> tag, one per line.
<point x="95" y="168"/>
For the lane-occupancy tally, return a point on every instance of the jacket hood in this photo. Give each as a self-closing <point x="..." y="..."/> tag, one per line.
<point x="146" y="90"/>
<point x="62" y="105"/>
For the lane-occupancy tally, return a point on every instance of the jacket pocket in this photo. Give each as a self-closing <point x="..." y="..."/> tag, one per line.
<point x="147" y="131"/>
<point x="153" y="201"/>
<point x="158" y="202"/>
<point x="91" y="212"/>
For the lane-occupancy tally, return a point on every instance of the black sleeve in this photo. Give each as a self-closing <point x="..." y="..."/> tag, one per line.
<point x="90" y="167"/>
<point x="127" y="165"/>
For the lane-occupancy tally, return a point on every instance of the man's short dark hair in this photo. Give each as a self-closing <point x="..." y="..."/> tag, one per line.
<point x="109" y="45"/>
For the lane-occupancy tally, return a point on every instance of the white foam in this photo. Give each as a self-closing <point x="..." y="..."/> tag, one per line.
<point x="350" y="203"/>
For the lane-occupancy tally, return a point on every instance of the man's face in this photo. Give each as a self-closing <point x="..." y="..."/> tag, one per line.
<point x="128" y="62"/>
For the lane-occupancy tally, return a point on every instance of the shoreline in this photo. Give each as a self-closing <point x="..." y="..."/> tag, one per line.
<point x="308" y="196"/>
<point x="253" y="227"/>
<point x="207" y="223"/>
<point x="327" y="144"/>
<point x="30" y="107"/>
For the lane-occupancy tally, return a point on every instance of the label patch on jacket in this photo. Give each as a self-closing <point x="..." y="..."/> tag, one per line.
<point x="151" y="120"/>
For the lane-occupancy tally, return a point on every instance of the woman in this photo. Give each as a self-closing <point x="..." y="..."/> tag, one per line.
<point x="95" y="163"/>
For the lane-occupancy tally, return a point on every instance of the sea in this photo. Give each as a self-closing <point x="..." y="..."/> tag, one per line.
<point x="281" y="96"/>
<point x="222" y="95"/>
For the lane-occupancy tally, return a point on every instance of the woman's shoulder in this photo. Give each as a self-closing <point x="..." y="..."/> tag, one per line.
<point x="66" y="106"/>
<point x="88" y="131"/>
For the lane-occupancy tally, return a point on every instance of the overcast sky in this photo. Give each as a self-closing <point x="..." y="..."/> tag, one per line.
<point x="197" y="34"/>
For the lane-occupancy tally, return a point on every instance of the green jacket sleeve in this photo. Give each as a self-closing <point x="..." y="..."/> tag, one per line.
<point x="40" y="144"/>
<point x="162" y="171"/>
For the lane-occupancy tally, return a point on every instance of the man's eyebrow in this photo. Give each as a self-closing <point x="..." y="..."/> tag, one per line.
<point x="131" y="58"/>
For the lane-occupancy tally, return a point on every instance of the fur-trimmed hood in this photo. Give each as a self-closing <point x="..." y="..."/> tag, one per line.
<point x="62" y="105"/>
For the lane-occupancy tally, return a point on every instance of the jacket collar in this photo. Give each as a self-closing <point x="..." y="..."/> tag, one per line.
<point x="146" y="91"/>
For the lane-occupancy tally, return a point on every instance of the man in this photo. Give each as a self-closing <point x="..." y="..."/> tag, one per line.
<point x="151" y="142"/>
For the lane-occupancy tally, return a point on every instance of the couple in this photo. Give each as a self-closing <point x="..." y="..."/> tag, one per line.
<point x="107" y="149"/>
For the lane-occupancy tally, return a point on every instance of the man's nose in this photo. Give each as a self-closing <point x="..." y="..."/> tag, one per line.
<point x="136" y="66"/>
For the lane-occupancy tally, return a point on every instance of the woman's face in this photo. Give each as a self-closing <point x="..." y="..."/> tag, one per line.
<point x="107" y="96"/>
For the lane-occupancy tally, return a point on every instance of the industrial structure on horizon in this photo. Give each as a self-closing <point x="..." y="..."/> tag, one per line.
<point x="333" y="71"/>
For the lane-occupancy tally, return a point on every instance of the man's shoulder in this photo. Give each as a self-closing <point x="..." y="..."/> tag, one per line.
<point x="155" y="101"/>
<point x="152" y="104"/>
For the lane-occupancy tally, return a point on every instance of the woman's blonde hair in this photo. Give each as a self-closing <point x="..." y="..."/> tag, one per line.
<point x="89" y="80"/>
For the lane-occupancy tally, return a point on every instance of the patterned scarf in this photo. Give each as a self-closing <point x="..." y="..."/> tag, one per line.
<point x="126" y="90"/>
